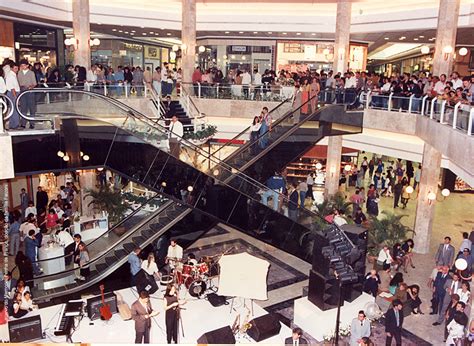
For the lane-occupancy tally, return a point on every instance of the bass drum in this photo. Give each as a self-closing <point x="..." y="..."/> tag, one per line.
<point x="197" y="288"/>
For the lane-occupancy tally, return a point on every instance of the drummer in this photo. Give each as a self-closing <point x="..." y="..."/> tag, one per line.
<point x="192" y="260"/>
<point x="175" y="254"/>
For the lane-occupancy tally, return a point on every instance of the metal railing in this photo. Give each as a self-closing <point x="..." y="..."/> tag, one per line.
<point x="460" y="115"/>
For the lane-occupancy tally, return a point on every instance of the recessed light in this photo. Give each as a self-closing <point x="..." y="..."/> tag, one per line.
<point x="144" y="33"/>
<point x="152" y="32"/>
<point x="132" y="30"/>
<point x="385" y="38"/>
<point x="255" y="32"/>
<point x="241" y="32"/>
<point x="120" y="31"/>
<point x="114" y="29"/>
<point x="227" y="32"/>
<point x="421" y="36"/>
<point x="126" y="32"/>
<point x="415" y="39"/>
<point x="313" y="34"/>
<point x="284" y="33"/>
<point x="298" y="33"/>
<point x="168" y="33"/>
<point x="270" y="32"/>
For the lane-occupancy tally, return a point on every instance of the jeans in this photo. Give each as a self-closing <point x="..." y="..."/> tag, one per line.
<point x="293" y="214"/>
<point x="157" y="87"/>
<point x="14" y="243"/>
<point x="274" y="195"/>
<point x="28" y="107"/>
<point x="14" y="121"/>
<point x="302" y="198"/>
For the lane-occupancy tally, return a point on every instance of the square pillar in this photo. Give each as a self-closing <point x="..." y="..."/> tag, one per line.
<point x="82" y="32"/>
<point x="424" y="208"/>
<point x="188" y="37"/>
<point x="333" y="166"/>
<point x="343" y="32"/>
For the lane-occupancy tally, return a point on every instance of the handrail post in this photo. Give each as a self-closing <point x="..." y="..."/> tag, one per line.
<point x="199" y="89"/>
<point x="367" y="100"/>
<point x="2" y="105"/>
<point x="441" y="114"/>
<point x="455" y="115"/>
<point x="145" y="89"/>
<point x="126" y="90"/>
<point x="389" y="105"/>
<point x="105" y="89"/>
<point x="217" y="91"/>
<point x="410" y="103"/>
<point x="423" y="102"/>
<point x="471" y="119"/>
<point x="432" y="107"/>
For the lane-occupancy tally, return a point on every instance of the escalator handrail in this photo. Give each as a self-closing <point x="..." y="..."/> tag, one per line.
<point x="111" y="246"/>
<point x="2" y="100"/>
<point x="137" y="115"/>
<point x="246" y="129"/>
<point x="276" y="123"/>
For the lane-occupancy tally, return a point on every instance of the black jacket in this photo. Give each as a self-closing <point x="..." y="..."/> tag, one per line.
<point x="391" y="322"/>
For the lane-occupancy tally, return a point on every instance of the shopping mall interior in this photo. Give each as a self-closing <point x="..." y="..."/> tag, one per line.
<point x="221" y="172"/>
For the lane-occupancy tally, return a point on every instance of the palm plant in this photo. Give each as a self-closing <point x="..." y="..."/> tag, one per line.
<point x="110" y="201"/>
<point x="387" y="230"/>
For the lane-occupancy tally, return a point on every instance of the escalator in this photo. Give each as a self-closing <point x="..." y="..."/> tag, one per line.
<point x="133" y="147"/>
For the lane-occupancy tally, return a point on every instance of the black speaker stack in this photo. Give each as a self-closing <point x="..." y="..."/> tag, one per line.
<point x="94" y="303"/>
<point x="341" y="251"/>
<point x="264" y="327"/>
<point x="222" y="335"/>
<point x="25" y="329"/>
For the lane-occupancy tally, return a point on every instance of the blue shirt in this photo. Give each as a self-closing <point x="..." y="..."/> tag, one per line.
<point x="14" y="228"/>
<point x="276" y="183"/>
<point x="118" y="76"/>
<point x="135" y="264"/>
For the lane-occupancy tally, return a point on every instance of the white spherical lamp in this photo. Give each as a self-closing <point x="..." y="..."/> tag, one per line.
<point x="86" y="157"/>
<point x="463" y="51"/>
<point x="175" y="48"/>
<point x="60" y="153"/>
<point x="172" y="55"/>
<point x="215" y="172"/>
<point x="460" y="264"/>
<point x="425" y="50"/>
<point x="96" y="41"/>
<point x="431" y="196"/>
<point x="190" y="188"/>
<point x="347" y="168"/>
<point x="319" y="166"/>
<point x="447" y="49"/>
<point x="66" y="158"/>
<point x="445" y="192"/>
<point x="202" y="49"/>
<point x="409" y="190"/>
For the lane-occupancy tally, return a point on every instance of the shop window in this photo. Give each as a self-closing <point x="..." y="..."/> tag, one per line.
<point x="293" y="48"/>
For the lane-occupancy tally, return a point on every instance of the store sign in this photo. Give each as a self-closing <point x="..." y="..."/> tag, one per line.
<point x="239" y="48"/>
<point x="133" y="46"/>
<point x="310" y="52"/>
<point x="122" y="52"/>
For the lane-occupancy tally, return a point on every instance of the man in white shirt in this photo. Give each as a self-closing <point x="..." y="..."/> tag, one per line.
<point x="67" y="241"/>
<point x="246" y="81"/>
<point x="175" y="135"/>
<point x="175" y="254"/>
<point x="257" y="82"/>
<point x="351" y="82"/>
<point x="440" y="85"/>
<point x="31" y="209"/>
<point x="457" y="82"/>
<point x="13" y="89"/>
<point x="465" y="244"/>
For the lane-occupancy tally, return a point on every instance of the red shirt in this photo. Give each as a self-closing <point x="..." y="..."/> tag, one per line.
<point x="51" y="220"/>
<point x="197" y="75"/>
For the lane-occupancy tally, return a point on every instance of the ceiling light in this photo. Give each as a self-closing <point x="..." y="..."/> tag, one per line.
<point x="425" y="50"/>
<point x="86" y="157"/>
<point x="445" y="192"/>
<point x="241" y="32"/>
<point x="132" y="30"/>
<point x="114" y="29"/>
<point x="190" y="188"/>
<point x="226" y="32"/>
<point x="144" y="33"/>
<point x="421" y="36"/>
<point x="409" y="189"/>
<point x="463" y="51"/>
<point x="152" y="32"/>
<point x="270" y="32"/>
<point x="313" y="34"/>
<point x="386" y="38"/>
<point x="255" y="32"/>
<point x="126" y="32"/>
<point x="284" y="33"/>
<point x="60" y="153"/>
<point x="243" y="58"/>
<point x="168" y="33"/>
<point x="66" y="158"/>
<point x="202" y="49"/>
<point x="298" y="33"/>
<point x="415" y="39"/>
<point x="120" y="31"/>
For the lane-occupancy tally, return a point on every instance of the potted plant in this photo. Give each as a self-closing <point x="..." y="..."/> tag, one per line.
<point x="110" y="201"/>
<point x="338" y="201"/>
<point x="387" y="230"/>
<point x="200" y="137"/>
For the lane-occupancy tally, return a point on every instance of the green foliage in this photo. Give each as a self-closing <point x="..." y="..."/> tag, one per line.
<point x="337" y="201"/>
<point x="387" y="230"/>
<point x="207" y="132"/>
<point x="106" y="199"/>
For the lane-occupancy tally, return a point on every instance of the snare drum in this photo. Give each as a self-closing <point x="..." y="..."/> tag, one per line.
<point x="203" y="268"/>
<point x="166" y="280"/>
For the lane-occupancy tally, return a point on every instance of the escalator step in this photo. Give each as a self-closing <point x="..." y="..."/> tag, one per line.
<point x="93" y="273"/>
<point x="71" y="286"/>
<point x="163" y="221"/>
<point x="111" y="260"/>
<point x="120" y="253"/>
<point x="155" y="226"/>
<point x="101" y="267"/>
<point x="139" y="240"/>
<point x="148" y="232"/>
<point x="129" y="247"/>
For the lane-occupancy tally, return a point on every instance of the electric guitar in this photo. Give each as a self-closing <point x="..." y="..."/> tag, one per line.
<point x="104" y="309"/>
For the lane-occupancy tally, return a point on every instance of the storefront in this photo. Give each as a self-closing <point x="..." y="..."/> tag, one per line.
<point x="297" y="56"/>
<point x="114" y="52"/>
<point x="39" y="44"/>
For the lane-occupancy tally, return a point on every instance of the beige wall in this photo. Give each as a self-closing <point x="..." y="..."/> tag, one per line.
<point x="390" y="121"/>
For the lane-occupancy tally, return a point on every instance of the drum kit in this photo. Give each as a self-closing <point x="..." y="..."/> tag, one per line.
<point x="196" y="278"/>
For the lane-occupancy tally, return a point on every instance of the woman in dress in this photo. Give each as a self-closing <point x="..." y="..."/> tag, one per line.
<point x="315" y="89"/>
<point x="171" y="305"/>
<point x="305" y="91"/>
<point x="254" y="131"/>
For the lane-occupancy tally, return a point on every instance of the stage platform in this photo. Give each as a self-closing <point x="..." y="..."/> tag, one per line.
<point x="198" y="318"/>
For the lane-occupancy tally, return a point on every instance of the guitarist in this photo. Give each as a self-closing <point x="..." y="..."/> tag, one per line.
<point x="142" y="314"/>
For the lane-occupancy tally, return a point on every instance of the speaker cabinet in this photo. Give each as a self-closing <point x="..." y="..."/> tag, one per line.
<point x="322" y="291"/>
<point x="25" y="329"/>
<point x="222" y="335"/>
<point x="264" y="327"/>
<point x="94" y="303"/>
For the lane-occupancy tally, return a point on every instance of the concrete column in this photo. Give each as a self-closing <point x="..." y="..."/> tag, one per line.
<point x="333" y="166"/>
<point x="343" y="32"/>
<point x="446" y="36"/>
<point x="82" y="32"/>
<point x="188" y="37"/>
<point x="424" y="209"/>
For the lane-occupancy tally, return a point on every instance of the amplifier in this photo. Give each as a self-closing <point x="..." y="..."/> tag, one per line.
<point x="25" y="329"/>
<point x="94" y="303"/>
